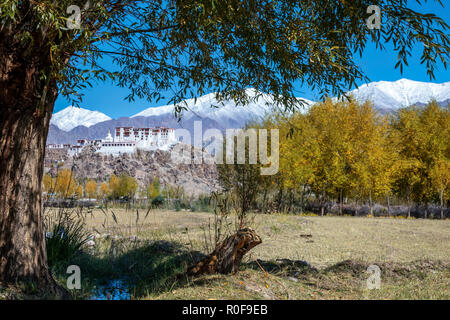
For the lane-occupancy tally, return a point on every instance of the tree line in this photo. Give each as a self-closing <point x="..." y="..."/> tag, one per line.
<point x="65" y="185"/>
<point x="344" y="152"/>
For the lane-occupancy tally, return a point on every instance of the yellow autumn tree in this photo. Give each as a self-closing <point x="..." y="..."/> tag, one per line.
<point x="104" y="190"/>
<point x="298" y="155"/>
<point x="371" y="160"/>
<point x="440" y="178"/>
<point x="122" y="186"/>
<point x="127" y="186"/>
<point x="329" y="150"/>
<point x="434" y="146"/>
<point x="91" y="189"/>
<point x="49" y="183"/>
<point x="404" y="137"/>
<point x="65" y="185"/>
<point x="79" y="191"/>
<point x="422" y="137"/>
<point x="113" y="187"/>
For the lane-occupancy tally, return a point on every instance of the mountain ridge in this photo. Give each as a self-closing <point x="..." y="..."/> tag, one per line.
<point x="72" y="116"/>
<point x="387" y="96"/>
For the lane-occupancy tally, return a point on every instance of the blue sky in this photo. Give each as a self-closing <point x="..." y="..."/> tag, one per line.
<point x="378" y="65"/>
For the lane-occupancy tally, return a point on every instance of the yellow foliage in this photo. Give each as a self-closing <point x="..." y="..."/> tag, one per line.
<point x="65" y="185"/>
<point x="104" y="190"/>
<point x="49" y="183"/>
<point x="79" y="191"/>
<point x="346" y="149"/>
<point x="122" y="186"/>
<point x="91" y="189"/>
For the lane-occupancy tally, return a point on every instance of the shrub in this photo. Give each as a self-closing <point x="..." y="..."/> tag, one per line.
<point x="158" y="201"/>
<point x="65" y="239"/>
<point x="177" y="205"/>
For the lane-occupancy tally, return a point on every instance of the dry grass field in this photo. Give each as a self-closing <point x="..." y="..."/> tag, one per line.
<point x="301" y="257"/>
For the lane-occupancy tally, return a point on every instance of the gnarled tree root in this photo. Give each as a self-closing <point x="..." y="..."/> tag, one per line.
<point x="228" y="254"/>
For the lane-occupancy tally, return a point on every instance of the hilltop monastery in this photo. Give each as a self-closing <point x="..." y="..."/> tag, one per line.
<point x="125" y="140"/>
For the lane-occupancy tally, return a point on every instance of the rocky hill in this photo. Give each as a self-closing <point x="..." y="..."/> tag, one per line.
<point x="196" y="179"/>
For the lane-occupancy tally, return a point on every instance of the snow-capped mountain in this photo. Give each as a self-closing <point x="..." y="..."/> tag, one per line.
<point x="72" y="117"/>
<point x="227" y="113"/>
<point x="389" y="96"/>
<point x="386" y="96"/>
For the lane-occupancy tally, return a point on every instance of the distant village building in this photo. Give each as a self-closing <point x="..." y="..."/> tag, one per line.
<point x="125" y="140"/>
<point x="58" y="146"/>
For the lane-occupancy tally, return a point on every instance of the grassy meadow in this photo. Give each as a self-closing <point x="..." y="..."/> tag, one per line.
<point x="301" y="257"/>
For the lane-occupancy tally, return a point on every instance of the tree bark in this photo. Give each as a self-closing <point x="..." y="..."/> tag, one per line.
<point x="302" y="199"/>
<point x="264" y="201"/>
<point x="322" y="207"/>
<point x="291" y="201"/>
<point x="26" y="104"/>
<point x="388" y="206"/>
<point x="409" y="204"/>
<point x="227" y="255"/>
<point x="280" y="199"/>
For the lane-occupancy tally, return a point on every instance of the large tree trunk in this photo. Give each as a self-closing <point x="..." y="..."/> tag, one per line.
<point x="26" y="103"/>
<point x="227" y="255"/>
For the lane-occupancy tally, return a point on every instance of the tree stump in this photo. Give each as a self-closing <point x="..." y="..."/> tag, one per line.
<point x="228" y="254"/>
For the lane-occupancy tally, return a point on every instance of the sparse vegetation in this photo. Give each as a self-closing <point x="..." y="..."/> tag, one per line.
<point x="301" y="257"/>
